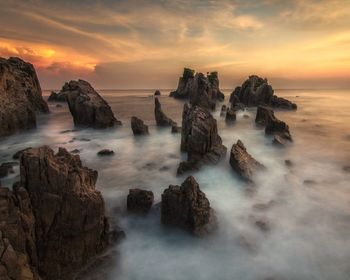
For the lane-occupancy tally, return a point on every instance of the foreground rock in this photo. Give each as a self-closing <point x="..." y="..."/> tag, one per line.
<point x="161" y="118"/>
<point x="201" y="90"/>
<point x="256" y="91"/>
<point x="53" y="223"/>
<point x="57" y="96"/>
<point x="242" y="162"/>
<point x="200" y="139"/>
<point x="20" y="96"/>
<point x="138" y="127"/>
<point x="139" y="201"/>
<point x="187" y="207"/>
<point x="105" y="152"/>
<point x="266" y="117"/>
<point x="87" y="107"/>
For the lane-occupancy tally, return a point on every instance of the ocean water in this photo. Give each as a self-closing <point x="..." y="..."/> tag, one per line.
<point x="309" y="223"/>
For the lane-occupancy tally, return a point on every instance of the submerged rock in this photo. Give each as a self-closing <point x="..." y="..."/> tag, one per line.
<point x="200" y="89"/>
<point x="139" y="201"/>
<point x="57" y="96"/>
<point x="87" y="107"/>
<point x="266" y="117"/>
<point x="161" y="118"/>
<point x="106" y="152"/>
<point x="199" y="138"/>
<point x="256" y="91"/>
<point x="242" y="162"/>
<point x="20" y="96"/>
<point x="187" y="207"/>
<point x="138" y="127"/>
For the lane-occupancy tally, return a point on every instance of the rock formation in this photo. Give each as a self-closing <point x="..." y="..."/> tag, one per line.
<point x="200" y="89"/>
<point x="230" y="116"/>
<point x="256" y="91"/>
<point x="199" y="138"/>
<point x="20" y="96"/>
<point x="57" y="97"/>
<point x="157" y="93"/>
<point x="266" y="117"/>
<point x="242" y="162"/>
<point x="138" y="127"/>
<point x="161" y="118"/>
<point x="187" y="207"/>
<point x="87" y="107"/>
<point x="53" y="223"/>
<point x="139" y="201"/>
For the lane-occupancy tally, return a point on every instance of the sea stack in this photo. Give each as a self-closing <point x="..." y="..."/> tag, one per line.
<point x="161" y="118"/>
<point x="87" y="107"/>
<point x="20" y="96"/>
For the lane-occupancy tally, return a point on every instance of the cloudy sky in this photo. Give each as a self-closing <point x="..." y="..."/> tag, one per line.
<point x="145" y="44"/>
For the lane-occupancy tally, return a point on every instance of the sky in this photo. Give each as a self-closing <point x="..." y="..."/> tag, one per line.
<point x="130" y="44"/>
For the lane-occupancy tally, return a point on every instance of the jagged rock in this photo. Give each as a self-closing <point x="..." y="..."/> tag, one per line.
<point x="70" y="224"/>
<point x="106" y="152"/>
<point x="157" y="93"/>
<point x="242" y="162"/>
<point x="187" y="207"/>
<point x="20" y="96"/>
<point x="139" y="201"/>
<point x="138" y="127"/>
<point x="57" y="96"/>
<point x="256" y="91"/>
<point x="230" y="116"/>
<point x="87" y="107"/>
<point x="6" y="168"/>
<point x="236" y="104"/>
<point x="161" y="118"/>
<point x="19" y="153"/>
<point x="266" y="117"/>
<point x="201" y="90"/>
<point x="175" y="129"/>
<point x="199" y="138"/>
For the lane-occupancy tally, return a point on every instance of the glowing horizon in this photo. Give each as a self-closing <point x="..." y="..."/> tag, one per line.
<point x="145" y="44"/>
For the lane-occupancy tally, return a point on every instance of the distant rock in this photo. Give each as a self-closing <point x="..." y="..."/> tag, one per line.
<point x="199" y="138"/>
<point x="256" y="91"/>
<point x="223" y="111"/>
<point x="309" y="182"/>
<point x="160" y="116"/>
<point x="87" y="107"/>
<point x="138" y="127"/>
<point x="266" y="117"/>
<point x="288" y="163"/>
<point x="200" y="89"/>
<point x="106" y="152"/>
<point x="139" y="201"/>
<point x="242" y="162"/>
<point x="57" y="96"/>
<point x="157" y="93"/>
<point x="187" y="207"/>
<point x="230" y="116"/>
<point x="176" y="129"/>
<point x="20" y="96"/>
<point x="75" y="151"/>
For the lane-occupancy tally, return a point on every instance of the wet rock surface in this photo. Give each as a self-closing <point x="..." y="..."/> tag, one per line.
<point x="138" y="127"/>
<point x="139" y="201"/>
<point x="187" y="207"/>
<point x="87" y="107"/>
<point x="199" y="138"/>
<point x="242" y="162"/>
<point x="256" y="91"/>
<point x="161" y="118"/>
<point x="20" y="96"/>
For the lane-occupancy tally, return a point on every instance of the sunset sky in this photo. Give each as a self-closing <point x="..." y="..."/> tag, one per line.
<point x="145" y="44"/>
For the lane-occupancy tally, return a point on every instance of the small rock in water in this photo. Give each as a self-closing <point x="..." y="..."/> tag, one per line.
<point x="68" y="131"/>
<point x="81" y="139"/>
<point x="278" y="141"/>
<point x="309" y="182"/>
<point x="263" y="206"/>
<point x="246" y="116"/>
<point x="105" y="152"/>
<point x="139" y="201"/>
<point x="346" y="168"/>
<point x="263" y="224"/>
<point x="288" y="163"/>
<point x="75" y="151"/>
<point x="138" y="127"/>
<point x="149" y="165"/>
<point x="157" y="93"/>
<point x="164" y="168"/>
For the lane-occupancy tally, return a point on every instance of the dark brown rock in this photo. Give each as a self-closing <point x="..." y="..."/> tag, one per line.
<point x="138" y="127"/>
<point x="20" y="96"/>
<point x="161" y="118"/>
<point x="106" y="152"/>
<point x="242" y="162"/>
<point x="288" y="163"/>
<point x="6" y="168"/>
<point x="199" y="138"/>
<point x="87" y="107"/>
<point x="187" y="207"/>
<point x="230" y="116"/>
<point x="57" y="97"/>
<point x="256" y="91"/>
<point x="176" y="129"/>
<point x="223" y="110"/>
<point x="19" y="153"/>
<point x="157" y="93"/>
<point x="139" y="201"/>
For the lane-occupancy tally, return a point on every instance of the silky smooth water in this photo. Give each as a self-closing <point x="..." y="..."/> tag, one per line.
<point x="309" y="236"/>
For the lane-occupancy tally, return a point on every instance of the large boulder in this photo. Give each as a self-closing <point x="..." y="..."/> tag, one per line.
<point x="256" y="91"/>
<point x="20" y="96"/>
<point x="199" y="138"/>
<point x="200" y="89"/>
<point x="242" y="162"/>
<point x="139" y="201"/>
<point x="266" y="117"/>
<point x="161" y="118"/>
<point x="87" y="107"/>
<point x="138" y="127"/>
<point x="187" y="207"/>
